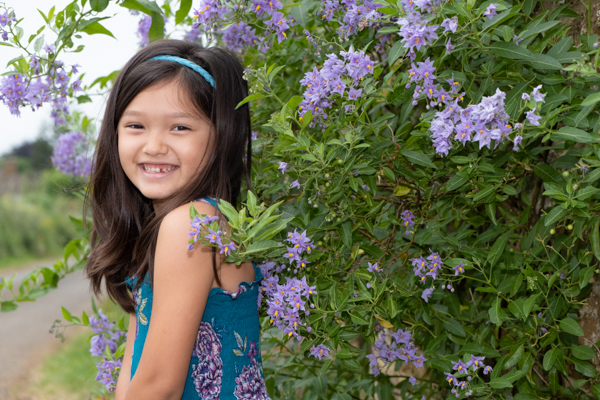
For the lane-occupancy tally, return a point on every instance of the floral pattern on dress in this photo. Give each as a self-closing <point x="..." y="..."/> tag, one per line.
<point x="208" y="373"/>
<point x="250" y="384"/>
<point x="140" y="304"/>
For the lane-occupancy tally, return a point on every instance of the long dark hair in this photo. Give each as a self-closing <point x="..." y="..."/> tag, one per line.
<point x="125" y="225"/>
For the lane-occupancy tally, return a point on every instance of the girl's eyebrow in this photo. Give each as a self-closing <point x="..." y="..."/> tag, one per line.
<point x="170" y="115"/>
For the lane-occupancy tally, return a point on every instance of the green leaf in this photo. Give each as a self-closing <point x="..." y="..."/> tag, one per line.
<point x="538" y="29"/>
<point x="549" y="358"/>
<point x="596" y="239"/>
<point x="347" y="234"/>
<point x="358" y="319"/>
<point x="555" y="215"/>
<point x="184" y="9"/>
<point x="495" y="313"/>
<point x="263" y="245"/>
<point x="511" y="51"/>
<point x="545" y="62"/>
<point x="455" y="182"/>
<point x="300" y="13"/>
<point x="573" y="134"/>
<point x="497" y="249"/>
<point x="500" y="383"/>
<point x="157" y="29"/>
<point x="147" y="7"/>
<point x="98" y="5"/>
<point x="484" y="193"/>
<point x="454" y="327"/>
<point x="583" y="353"/>
<point x="591" y="100"/>
<point x="7" y="306"/>
<point x="547" y="174"/>
<point x="585" y="368"/>
<point x="67" y="314"/>
<point x="571" y="326"/>
<point x="401" y="191"/>
<point x="553" y="378"/>
<point x="418" y="158"/>
<point x="254" y="96"/>
<point x="528" y="305"/>
<point x="396" y="52"/>
<point x="514" y="356"/>
<point x="96" y="28"/>
<point x="229" y="212"/>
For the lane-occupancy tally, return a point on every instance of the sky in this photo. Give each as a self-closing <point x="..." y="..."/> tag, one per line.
<point x="102" y="55"/>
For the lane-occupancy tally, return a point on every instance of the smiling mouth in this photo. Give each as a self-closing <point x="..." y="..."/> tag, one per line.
<point x="155" y="169"/>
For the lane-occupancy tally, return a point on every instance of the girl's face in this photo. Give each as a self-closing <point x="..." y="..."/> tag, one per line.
<point x="162" y="141"/>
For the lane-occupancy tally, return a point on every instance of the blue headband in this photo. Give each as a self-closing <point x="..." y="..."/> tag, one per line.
<point x="188" y="64"/>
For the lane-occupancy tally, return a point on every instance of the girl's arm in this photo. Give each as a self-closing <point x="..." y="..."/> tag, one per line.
<point x="182" y="282"/>
<point x="125" y="373"/>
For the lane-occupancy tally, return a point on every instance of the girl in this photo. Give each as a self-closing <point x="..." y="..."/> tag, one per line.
<point x="171" y="135"/>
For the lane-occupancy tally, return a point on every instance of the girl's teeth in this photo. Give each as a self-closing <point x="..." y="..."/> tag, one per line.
<point x="156" y="170"/>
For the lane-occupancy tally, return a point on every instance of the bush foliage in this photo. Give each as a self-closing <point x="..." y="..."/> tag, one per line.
<point x="444" y="159"/>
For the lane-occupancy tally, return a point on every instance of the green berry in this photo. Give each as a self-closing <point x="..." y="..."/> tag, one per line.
<point x="320" y="243"/>
<point x="327" y="184"/>
<point x="565" y="174"/>
<point x="570" y="227"/>
<point x="575" y="186"/>
<point x="340" y="162"/>
<point x="552" y="231"/>
<point x="327" y="176"/>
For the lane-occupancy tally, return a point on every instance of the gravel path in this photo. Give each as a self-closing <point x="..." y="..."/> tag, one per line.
<point x="24" y="333"/>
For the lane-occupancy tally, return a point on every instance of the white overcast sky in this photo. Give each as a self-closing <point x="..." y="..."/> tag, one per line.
<point x="102" y="55"/>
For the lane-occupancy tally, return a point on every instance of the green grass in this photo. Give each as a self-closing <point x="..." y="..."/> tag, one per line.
<point x="70" y="372"/>
<point x="27" y="260"/>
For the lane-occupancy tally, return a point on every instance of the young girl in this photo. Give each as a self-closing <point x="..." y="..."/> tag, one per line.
<point x="171" y="135"/>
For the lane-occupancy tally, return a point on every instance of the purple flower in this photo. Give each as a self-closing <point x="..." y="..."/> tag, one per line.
<point x="517" y="39"/>
<point x="373" y="364"/>
<point x="354" y="94"/>
<point x="525" y="96"/>
<point x="532" y="118"/>
<point x="412" y="380"/>
<point x="475" y="362"/>
<point x="517" y="141"/>
<point x="295" y="184"/>
<point x="69" y="155"/>
<point x="407" y="219"/>
<point x="451" y="378"/>
<point x="450" y="24"/>
<point x="319" y="351"/>
<point x="491" y="11"/>
<point x="487" y="369"/>
<point x="427" y="294"/>
<point x="368" y="286"/>
<point x="108" y="373"/>
<point x="459" y="366"/>
<point x="215" y="237"/>
<point x="537" y="95"/>
<point x="374" y="268"/>
<point x="459" y="269"/>
<point x="282" y="166"/>
<point x="227" y="248"/>
<point x="449" y="45"/>
<point x="401" y="337"/>
<point x="49" y="48"/>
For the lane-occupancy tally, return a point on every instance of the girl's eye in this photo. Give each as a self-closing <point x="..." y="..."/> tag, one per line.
<point x="135" y="126"/>
<point x="180" y="128"/>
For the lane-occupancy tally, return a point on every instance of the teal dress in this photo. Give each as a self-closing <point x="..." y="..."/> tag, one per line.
<point x="226" y="361"/>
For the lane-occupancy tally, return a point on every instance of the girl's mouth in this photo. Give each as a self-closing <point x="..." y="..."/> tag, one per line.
<point x="158" y="168"/>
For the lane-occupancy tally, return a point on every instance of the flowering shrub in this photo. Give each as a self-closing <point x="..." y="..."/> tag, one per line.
<point x="107" y="342"/>
<point x="443" y="159"/>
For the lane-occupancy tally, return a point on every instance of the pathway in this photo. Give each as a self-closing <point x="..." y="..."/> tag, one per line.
<point x="24" y="333"/>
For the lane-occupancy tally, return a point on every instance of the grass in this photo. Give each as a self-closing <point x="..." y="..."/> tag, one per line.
<point x="27" y="260"/>
<point x="70" y="372"/>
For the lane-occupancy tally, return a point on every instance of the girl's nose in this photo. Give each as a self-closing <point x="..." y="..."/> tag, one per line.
<point x="155" y="144"/>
